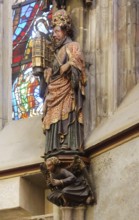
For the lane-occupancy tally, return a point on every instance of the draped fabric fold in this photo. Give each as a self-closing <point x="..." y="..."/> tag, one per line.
<point x="63" y="116"/>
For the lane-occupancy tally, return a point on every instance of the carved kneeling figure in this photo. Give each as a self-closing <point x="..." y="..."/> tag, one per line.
<point x="67" y="189"/>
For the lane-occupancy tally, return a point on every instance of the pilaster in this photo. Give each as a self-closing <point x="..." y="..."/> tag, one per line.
<point x="112" y="74"/>
<point x="73" y="213"/>
<point x="1" y="61"/>
<point x="79" y="213"/>
<point x="6" y="61"/>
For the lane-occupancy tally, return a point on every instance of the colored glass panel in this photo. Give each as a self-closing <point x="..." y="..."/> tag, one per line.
<point x="26" y="101"/>
<point x="25" y="95"/>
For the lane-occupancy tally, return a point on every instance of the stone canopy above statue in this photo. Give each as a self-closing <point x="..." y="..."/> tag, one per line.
<point x="61" y="4"/>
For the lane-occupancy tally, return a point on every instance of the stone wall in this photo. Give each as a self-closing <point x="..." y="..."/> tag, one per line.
<point x="116" y="179"/>
<point x="1" y="35"/>
<point x="19" y="197"/>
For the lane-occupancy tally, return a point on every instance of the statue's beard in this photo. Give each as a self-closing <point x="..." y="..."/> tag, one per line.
<point x="58" y="43"/>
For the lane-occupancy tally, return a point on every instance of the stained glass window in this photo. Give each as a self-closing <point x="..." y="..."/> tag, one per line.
<point x="25" y="87"/>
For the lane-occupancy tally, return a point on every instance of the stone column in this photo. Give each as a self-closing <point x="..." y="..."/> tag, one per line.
<point x="56" y="213"/>
<point x="70" y="213"/>
<point x="76" y="10"/>
<point x="112" y="74"/>
<point x="79" y="213"/>
<point x="6" y="61"/>
<point x="67" y="213"/>
<point x="1" y="35"/>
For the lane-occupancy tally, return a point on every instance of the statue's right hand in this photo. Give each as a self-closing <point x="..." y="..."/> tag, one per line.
<point x="56" y="182"/>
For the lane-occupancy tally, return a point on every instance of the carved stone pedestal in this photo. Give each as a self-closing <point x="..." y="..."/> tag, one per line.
<point x="70" y="213"/>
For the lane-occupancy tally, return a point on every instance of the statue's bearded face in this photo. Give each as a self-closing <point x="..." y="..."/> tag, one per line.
<point x="58" y="34"/>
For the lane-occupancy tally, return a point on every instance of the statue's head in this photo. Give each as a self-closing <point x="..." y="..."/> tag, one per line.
<point x="52" y="163"/>
<point x="62" y="19"/>
<point x="62" y="27"/>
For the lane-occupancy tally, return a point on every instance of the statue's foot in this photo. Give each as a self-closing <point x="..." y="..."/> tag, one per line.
<point x="90" y="200"/>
